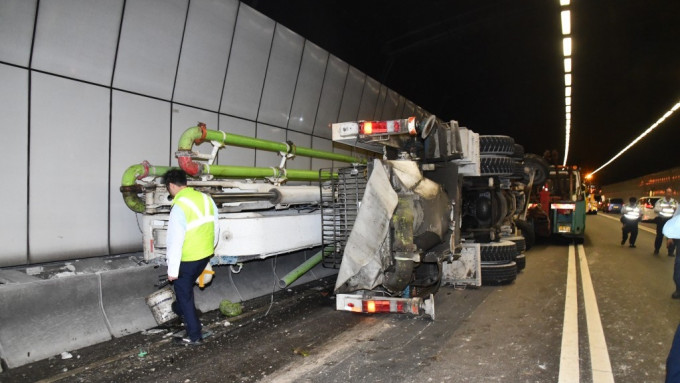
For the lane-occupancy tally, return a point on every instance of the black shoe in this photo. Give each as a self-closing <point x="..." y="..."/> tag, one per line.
<point x="188" y="341"/>
<point x="656" y="252"/>
<point x="631" y="245"/>
<point x="671" y="255"/>
<point x="623" y="241"/>
<point x="676" y="295"/>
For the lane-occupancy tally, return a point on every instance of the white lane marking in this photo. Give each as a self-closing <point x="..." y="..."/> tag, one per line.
<point x="599" y="356"/>
<point x="645" y="228"/>
<point x="569" y="357"/>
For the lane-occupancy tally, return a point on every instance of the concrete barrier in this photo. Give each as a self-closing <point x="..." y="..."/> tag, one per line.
<point x="123" y="294"/>
<point x="44" y="318"/>
<point x="40" y="318"/>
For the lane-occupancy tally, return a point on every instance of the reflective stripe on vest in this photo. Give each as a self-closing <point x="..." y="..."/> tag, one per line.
<point x="200" y="230"/>
<point x="667" y="208"/>
<point x="632" y="213"/>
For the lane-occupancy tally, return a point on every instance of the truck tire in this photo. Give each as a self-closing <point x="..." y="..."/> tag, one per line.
<point x="494" y="274"/>
<point x="498" y="252"/>
<point x="503" y="145"/>
<point x="527" y="232"/>
<point x="496" y="165"/>
<point x="519" y="241"/>
<point x="521" y="262"/>
<point x="538" y="166"/>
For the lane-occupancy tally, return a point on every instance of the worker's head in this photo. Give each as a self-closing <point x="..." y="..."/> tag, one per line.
<point x="669" y="193"/>
<point x="175" y="180"/>
<point x="632" y="200"/>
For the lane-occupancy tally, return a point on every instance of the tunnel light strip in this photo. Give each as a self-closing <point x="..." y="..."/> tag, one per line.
<point x="646" y="132"/>
<point x="565" y="15"/>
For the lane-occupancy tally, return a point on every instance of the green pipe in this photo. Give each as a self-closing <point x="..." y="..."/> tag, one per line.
<point x="225" y="171"/>
<point x="199" y="134"/>
<point x="300" y="270"/>
<point x="129" y="187"/>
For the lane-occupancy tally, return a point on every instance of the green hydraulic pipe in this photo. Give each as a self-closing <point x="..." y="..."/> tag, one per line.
<point x="130" y="189"/>
<point x="226" y="171"/>
<point x="199" y="134"/>
<point x="300" y="270"/>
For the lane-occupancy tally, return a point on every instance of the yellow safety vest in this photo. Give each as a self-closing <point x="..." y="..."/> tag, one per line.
<point x="199" y="238"/>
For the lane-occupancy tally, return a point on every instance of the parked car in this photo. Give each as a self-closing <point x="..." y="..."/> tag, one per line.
<point x="647" y="208"/>
<point x="614" y="205"/>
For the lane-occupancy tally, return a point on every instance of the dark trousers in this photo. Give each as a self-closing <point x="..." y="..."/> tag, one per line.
<point x="629" y="228"/>
<point x="660" y="222"/>
<point x="676" y="266"/>
<point x="673" y="361"/>
<point x="184" y="292"/>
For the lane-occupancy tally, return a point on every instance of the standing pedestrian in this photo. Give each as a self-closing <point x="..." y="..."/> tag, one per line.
<point x="665" y="208"/>
<point x="193" y="231"/>
<point x="630" y="218"/>
<point x="672" y="231"/>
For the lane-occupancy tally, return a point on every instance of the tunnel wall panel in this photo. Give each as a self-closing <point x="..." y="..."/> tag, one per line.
<point x="14" y="113"/>
<point x="42" y="319"/>
<point x="17" y="18"/>
<point x="78" y="38"/>
<point x="100" y="85"/>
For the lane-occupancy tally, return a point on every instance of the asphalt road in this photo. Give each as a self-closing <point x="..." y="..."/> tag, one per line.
<point x="527" y="331"/>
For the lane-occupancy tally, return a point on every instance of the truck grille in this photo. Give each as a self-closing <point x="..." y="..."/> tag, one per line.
<point x="340" y="201"/>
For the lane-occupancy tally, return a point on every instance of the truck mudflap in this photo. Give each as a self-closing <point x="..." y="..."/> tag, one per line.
<point x="359" y="303"/>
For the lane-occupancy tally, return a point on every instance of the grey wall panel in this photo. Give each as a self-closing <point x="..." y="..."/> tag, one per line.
<point x="140" y="131"/>
<point x="345" y="150"/>
<point x="205" y="51"/>
<point x="183" y="118"/>
<point x="380" y="105"/>
<point x="232" y="155"/>
<point x="303" y="163"/>
<point x="331" y="96"/>
<point x="282" y="72"/>
<point x="299" y="139"/>
<point x="389" y="110"/>
<point x="271" y="133"/>
<point x="369" y="99"/>
<point x="14" y="114"/>
<point x="247" y="63"/>
<point x="69" y="152"/>
<point x="321" y="144"/>
<point x="78" y="38"/>
<point x="409" y="109"/>
<point x="17" y="18"/>
<point x="149" y="46"/>
<point x="351" y="98"/>
<point x="308" y="88"/>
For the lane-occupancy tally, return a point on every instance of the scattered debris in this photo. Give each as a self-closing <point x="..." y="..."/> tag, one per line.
<point x="142" y="353"/>
<point x="300" y="351"/>
<point x="153" y="331"/>
<point x="226" y="323"/>
<point x="66" y="355"/>
<point x="230" y="309"/>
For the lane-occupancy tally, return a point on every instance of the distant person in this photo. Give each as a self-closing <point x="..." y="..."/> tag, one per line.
<point x="630" y="218"/>
<point x="193" y="230"/>
<point x="665" y="208"/>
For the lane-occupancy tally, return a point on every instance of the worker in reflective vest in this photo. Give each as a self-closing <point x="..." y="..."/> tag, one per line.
<point x="630" y="218"/>
<point x="193" y="231"/>
<point x="665" y="208"/>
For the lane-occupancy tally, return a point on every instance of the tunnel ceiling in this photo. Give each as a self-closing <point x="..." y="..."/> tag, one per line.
<point x="496" y="67"/>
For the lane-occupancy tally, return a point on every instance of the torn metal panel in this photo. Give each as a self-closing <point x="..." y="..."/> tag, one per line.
<point x="361" y="267"/>
<point x="466" y="270"/>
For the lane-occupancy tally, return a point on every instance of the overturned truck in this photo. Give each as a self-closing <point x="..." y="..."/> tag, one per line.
<point x="434" y="204"/>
